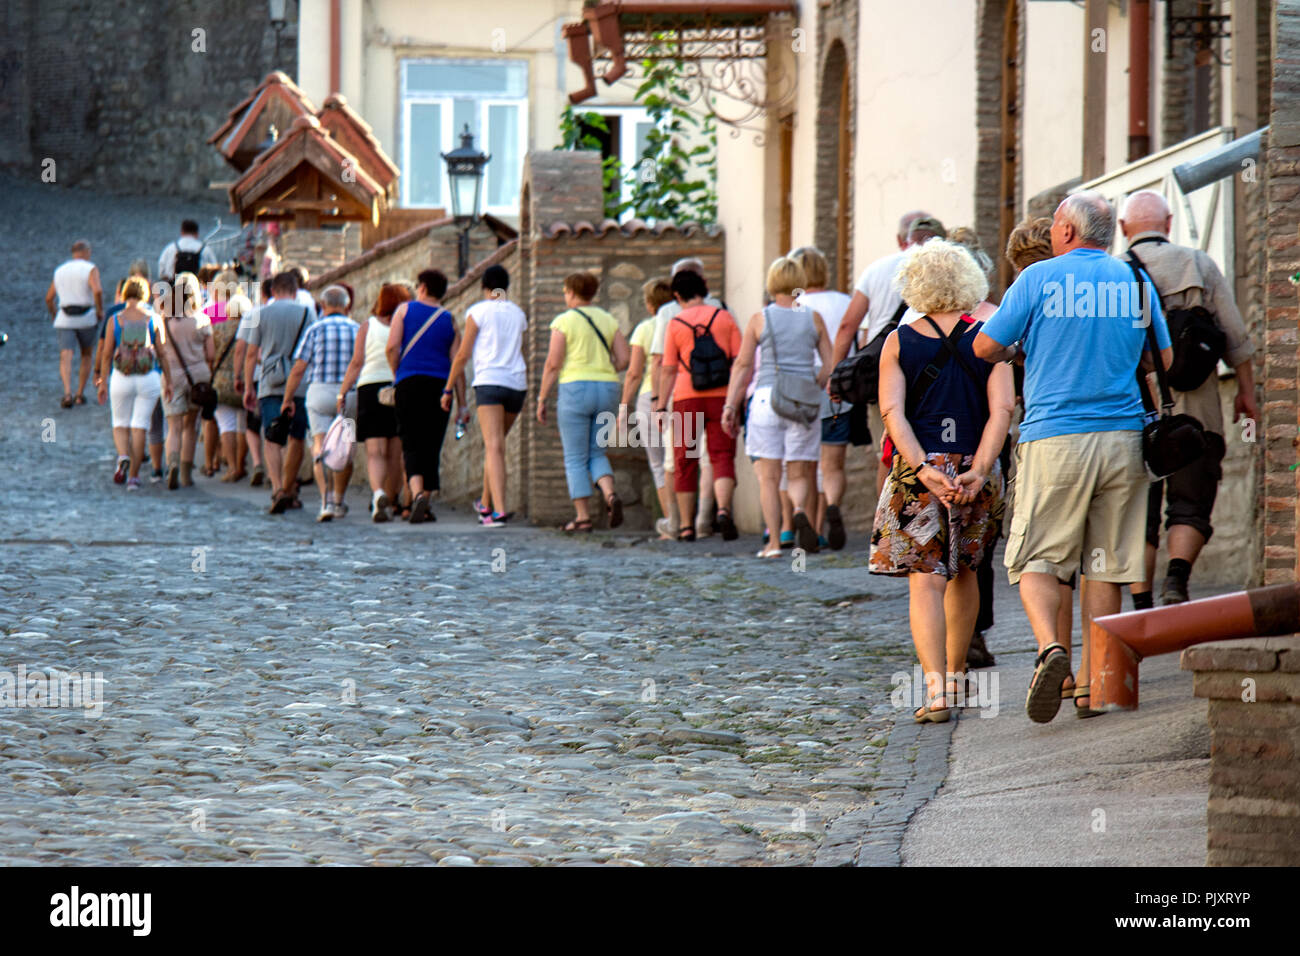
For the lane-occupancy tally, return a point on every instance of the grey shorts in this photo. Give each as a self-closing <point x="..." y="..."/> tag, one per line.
<point x="77" y="340"/>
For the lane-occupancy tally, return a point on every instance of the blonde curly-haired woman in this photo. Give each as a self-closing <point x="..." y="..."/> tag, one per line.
<point x="947" y="412"/>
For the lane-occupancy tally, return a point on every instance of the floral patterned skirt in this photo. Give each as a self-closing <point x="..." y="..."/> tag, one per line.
<point x="916" y="532"/>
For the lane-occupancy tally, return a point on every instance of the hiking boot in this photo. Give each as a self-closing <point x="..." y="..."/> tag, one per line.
<point x="978" y="654"/>
<point x="1174" y="591"/>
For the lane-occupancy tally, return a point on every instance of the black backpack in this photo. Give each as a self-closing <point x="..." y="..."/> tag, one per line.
<point x="857" y="378"/>
<point x="710" y="366"/>
<point x="1198" y="342"/>
<point x="188" y="261"/>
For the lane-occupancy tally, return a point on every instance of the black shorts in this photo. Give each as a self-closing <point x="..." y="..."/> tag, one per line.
<point x="1190" y="492"/>
<point x="374" y="419"/>
<point x="511" y="399"/>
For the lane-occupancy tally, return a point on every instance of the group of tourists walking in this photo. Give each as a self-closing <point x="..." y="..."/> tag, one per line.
<point x="1038" y="419"/>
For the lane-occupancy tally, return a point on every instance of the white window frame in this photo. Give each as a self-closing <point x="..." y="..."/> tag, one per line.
<point x="628" y="117"/>
<point x="522" y="132"/>
<point x="444" y="186"/>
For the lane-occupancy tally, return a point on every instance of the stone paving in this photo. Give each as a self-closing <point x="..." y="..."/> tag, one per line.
<point x="277" y="691"/>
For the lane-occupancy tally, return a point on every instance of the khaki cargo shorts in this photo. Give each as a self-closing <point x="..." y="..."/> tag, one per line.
<point x="1080" y="506"/>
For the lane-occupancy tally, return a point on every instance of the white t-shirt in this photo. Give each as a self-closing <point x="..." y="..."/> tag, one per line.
<point x="883" y="299"/>
<point x="498" y="346"/>
<point x="167" y="261"/>
<point x="831" y="306"/>
<point x="303" y="297"/>
<point x="72" y="286"/>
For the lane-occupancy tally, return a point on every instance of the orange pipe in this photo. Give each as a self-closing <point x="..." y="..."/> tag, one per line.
<point x="336" y="43"/>
<point x="1120" y="641"/>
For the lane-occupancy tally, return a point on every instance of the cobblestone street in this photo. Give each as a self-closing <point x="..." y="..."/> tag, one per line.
<point x="285" y="692"/>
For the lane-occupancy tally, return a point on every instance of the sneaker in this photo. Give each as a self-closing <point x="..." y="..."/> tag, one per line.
<point x="339" y="509"/>
<point x="157" y="477"/>
<point x="133" y="484"/>
<point x="664" y="527"/>
<point x="787" y="539"/>
<point x="379" y="508"/>
<point x="493" y="521"/>
<point x="326" y="512"/>
<point x="835" y="525"/>
<point x="482" y="512"/>
<point x="1173" y="592"/>
<point x="119" y="476"/>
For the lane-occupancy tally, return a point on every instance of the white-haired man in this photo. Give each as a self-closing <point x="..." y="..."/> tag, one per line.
<point x="1186" y="278"/>
<point x="321" y="360"/>
<point x="1080" y="497"/>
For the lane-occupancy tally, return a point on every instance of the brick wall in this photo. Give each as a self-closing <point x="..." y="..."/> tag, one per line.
<point x="1279" y="410"/>
<point x="1253" y="689"/>
<point x="316" y="250"/>
<point x="114" y="92"/>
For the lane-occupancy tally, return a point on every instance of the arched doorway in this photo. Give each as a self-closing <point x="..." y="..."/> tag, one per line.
<point x="834" y="165"/>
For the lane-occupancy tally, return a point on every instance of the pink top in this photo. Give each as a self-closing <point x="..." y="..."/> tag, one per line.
<point x="215" y="311"/>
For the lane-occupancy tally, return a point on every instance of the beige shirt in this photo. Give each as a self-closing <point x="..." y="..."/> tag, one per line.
<point x="1187" y="277"/>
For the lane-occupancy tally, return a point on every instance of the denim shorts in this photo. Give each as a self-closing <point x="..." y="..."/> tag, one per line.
<point x="512" y="399"/>
<point x="836" y="430"/>
<point x="270" y="409"/>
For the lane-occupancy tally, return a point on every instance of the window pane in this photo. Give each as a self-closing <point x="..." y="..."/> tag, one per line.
<point x="424" y="159"/>
<point x="480" y="77"/>
<point x="506" y="165"/>
<point x="643" y="128"/>
<point x="465" y="112"/>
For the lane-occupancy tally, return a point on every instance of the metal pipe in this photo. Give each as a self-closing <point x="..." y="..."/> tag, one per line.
<point x="1139" y="80"/>
<point x="1221" y="163"/>
<point x="336" y="43"/>
<point x="1120" y="641"/>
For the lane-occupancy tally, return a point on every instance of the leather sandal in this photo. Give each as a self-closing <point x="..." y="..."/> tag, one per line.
<point x="575" y="526"/>
<point x="614" y="508"/>
<point x="1084" y="710"/>
<point x="1051" y="668"/>
<point x="929" y="714"/>
<point x="686" y="533"/>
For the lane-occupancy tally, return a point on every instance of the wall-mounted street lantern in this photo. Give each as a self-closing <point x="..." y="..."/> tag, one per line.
<point x="465" y="173"/>
<point x="279" y="20"/>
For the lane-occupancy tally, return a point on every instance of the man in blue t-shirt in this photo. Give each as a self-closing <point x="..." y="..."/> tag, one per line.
<point x="1080" y="320"/>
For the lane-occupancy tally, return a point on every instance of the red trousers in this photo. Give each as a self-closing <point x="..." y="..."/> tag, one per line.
<point x="689" y="414"/>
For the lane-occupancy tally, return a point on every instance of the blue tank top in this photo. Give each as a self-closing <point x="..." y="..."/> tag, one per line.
<point x="950" y="417"/>
<point x="432" y="354"/>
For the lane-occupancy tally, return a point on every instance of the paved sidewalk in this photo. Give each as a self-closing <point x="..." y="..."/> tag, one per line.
<point x="1122" y="789"/>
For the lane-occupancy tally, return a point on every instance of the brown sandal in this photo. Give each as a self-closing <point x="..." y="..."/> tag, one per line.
<point x="614" y="508"/>
<point x="575" y="526"/>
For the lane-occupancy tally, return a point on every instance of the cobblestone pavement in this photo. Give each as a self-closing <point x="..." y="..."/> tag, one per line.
<point x="278" y="691"/>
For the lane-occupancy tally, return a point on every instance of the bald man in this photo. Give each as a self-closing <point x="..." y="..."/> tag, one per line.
<point x="1186" y="278"/>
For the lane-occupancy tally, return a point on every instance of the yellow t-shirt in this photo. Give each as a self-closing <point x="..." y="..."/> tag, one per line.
<point x="643" y="335"/>
<point x="585" y="358"/>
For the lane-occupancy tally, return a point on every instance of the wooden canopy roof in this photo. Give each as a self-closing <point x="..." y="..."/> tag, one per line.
<point x="310" y="178"/>
<point x="355" y="135"/>
<point x="276" y="100"/>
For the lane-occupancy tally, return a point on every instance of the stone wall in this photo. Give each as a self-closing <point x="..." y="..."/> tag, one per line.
<point x="1253" y="689"/>
<point x="622" y="262"/>
<point x="117" y="93"/>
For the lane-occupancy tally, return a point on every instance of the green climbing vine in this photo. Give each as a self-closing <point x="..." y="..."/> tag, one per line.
<point x="670" y="181"/>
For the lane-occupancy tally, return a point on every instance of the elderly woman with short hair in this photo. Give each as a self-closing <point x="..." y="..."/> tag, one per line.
<point x="947" y="412"/>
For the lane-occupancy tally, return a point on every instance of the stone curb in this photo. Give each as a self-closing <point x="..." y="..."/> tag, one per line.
<point x="912" y="769"/>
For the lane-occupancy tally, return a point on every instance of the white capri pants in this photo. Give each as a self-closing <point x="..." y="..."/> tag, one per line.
<point x="133" y="398"/>
<point x="654" y="444"/>
<point x="230" y="419"/>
